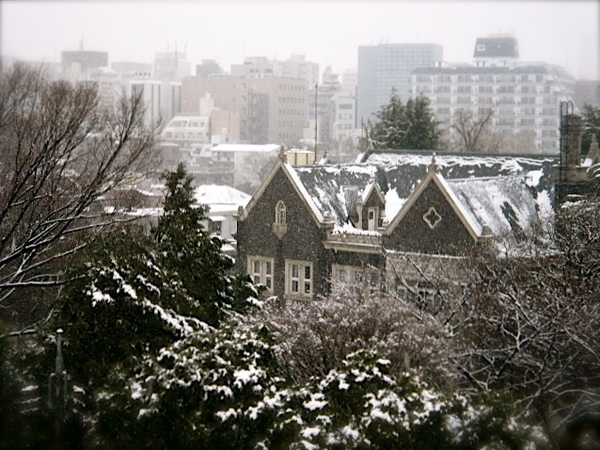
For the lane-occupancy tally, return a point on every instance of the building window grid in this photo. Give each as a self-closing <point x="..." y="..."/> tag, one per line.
<point x="299" y="278"/>
<point x="358" y="278"/>
<point x="261" y="271"/>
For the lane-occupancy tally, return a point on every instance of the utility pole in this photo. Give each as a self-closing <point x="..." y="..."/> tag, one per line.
<point x="316" y="119"/>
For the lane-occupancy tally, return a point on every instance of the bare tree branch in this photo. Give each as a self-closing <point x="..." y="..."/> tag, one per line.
<point x="60" y="153"/>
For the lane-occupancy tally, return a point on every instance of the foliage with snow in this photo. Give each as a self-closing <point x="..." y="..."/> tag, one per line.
<point x="343" y="372"/>
<point x="538" y="310"/>
<point x="227" y="390"/>
<point x="405" y="126"/>
<point x="313" y="338"/>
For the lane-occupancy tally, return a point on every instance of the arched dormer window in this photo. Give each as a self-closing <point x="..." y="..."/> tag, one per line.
<point x="280" y="224"/>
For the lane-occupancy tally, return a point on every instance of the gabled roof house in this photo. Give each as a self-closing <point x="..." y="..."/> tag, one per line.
<point x="308" y="229"/>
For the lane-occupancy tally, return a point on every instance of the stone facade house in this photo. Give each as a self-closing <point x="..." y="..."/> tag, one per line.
<point x="387" y="221"/>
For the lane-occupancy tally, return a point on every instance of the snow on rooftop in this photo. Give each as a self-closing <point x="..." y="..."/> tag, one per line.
<point x="212" y="194"/>
<point x="501" y="192"/>
<point x="465" y="166"/>
<point x="330" y="187"/>
<point x="246" y="148"/>
<point x="502" y="203"/>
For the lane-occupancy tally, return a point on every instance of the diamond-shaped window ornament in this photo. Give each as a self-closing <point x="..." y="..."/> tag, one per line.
<point x="432" y="218"/>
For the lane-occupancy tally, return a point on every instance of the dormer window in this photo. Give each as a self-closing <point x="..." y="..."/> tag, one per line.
<point x="280" y="224"/>
<point x="373" y="219"/>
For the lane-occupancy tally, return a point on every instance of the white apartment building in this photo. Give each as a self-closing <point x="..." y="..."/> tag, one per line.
<point x="525" y="97"/>
<point x="162" y="99"/>
<point x="187" y="129"/>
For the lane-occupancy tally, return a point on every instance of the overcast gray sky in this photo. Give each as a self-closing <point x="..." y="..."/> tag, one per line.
<point x="327" y="32"/>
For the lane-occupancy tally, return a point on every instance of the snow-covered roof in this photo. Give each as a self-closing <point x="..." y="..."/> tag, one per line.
<point x="500" y="192"/>
<point x="501" y="203"/>
<point x="334" y="189"/>
<point x="212" y="195"/>
<point x="246" y="148"/>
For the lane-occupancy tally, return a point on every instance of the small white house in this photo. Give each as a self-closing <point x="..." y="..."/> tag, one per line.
<point x="223" y="203"/>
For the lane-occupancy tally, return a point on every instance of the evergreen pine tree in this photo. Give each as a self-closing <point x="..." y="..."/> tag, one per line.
<point x="411" y="126"/>
<point x="188" y="250"/>
<point x="133" y="298"/>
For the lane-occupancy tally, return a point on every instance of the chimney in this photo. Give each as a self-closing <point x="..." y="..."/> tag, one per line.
<point x="573" y="177"/>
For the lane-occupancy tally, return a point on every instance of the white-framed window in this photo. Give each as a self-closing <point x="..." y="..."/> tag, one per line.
<point x="372" y="219"/>
<point x="280" y="224"/>
<point x="261" y="271"/>
<point x="357" y="279"/>
<point x="299" y="278"/>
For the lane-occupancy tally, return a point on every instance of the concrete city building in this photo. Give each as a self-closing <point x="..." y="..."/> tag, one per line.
<point x="82" y="65"/>
<point x="295" y="67"/>
<point x="130" y="70"/>
<point x="298" y="67"/>
<point x="386" y="67"/>
<point x="162" y="99"/>
<point x="525" y="97"/>
<point x="271" y="109"/>
<point x="83" y="60"/>
<point x="499" y="50"/>
<point x="257" y="66"/>
<point x="171" y="66"/>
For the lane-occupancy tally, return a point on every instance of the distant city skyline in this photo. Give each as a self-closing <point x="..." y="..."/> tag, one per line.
<point x="328" y="33"/>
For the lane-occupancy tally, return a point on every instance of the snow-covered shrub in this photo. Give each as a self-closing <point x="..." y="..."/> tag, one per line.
<point x="313" y="338"/>
<point x="223" y="388"/>
<point x="215" y="389"/>
<point x="362" y="405"/>
<point x="530" y="321"/>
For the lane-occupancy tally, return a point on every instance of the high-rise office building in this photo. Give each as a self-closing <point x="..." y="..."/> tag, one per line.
<point x="386" y="67"/>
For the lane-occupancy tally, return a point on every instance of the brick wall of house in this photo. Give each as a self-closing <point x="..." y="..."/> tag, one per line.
<point x="412" y="233"/>
<point x="302" y="241"/>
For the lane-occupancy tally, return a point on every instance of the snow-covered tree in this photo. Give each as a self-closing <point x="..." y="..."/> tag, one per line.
<point x="185" y="248"/>
<point x="405" y="126"/>
<point x="313" y="338"/>
<point x="224" y="388"/>
<point x="133" y="296"/>
<point x="530" y="321"/>
<point x="59" y="153"/>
